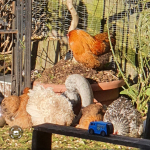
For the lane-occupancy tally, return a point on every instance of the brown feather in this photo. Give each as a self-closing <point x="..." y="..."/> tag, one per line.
<point x="87" y="49"/>
<point x="14" y="110"/>
<point x="92" y="112"/>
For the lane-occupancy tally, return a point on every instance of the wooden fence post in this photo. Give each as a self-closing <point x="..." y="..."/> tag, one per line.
<point x="41" y="140"/>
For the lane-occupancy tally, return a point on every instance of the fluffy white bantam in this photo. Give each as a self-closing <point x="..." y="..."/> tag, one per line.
<point x="45" y="106"/>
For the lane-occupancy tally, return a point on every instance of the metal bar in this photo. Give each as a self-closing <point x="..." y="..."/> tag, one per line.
<point x="8" y="31"/>
<point x="22" y="46"/>
<point x="13" y="11"/>
<point x="4" y="65"/>
<point x="25" y="57"/>
<point x="17" y="50"/>
<point x="28" y="44"/>
<point x="103" y="21"/>
<point x="13" y="77"/>
<point x="12" y="69"/>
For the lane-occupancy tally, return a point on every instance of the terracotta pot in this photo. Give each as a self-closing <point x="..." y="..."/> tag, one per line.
<point x="104" y="92"/>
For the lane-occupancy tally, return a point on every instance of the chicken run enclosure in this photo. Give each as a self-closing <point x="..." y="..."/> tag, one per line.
<point x="33" y="34"/>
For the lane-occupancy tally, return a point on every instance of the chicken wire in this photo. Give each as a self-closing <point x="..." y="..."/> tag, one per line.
<point x="6" y="22"/>
<point x="89" y="12"/>
<point x="51" y="18"/>
<point x="6" y="37"/>
<point x="15" y="44"/>
<point x="56" y="19"/>
<point x="130" y="21"/>
<point x="120" y="16"/>
<point x="39" y="18"/>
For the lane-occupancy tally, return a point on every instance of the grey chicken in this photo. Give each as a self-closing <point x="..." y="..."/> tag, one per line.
<point x="127" y="121"/>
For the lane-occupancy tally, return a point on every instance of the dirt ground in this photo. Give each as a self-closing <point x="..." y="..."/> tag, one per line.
<point x="59" y="72"/>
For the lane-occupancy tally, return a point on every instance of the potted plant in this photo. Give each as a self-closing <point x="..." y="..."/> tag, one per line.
<point x="105" y="84"/>
<point x="104" y="92"/>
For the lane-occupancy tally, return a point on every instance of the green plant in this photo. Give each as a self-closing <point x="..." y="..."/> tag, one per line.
<point x="39" y="75"/>
<point x="139" y="92"/>
<point x="51" y="76"/>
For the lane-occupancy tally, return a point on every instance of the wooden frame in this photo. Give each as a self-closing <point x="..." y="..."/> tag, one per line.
<point x="41" y="138"/>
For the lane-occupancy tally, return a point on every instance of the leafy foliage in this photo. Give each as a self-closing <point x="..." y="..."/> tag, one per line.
<point x="139" y="91"/>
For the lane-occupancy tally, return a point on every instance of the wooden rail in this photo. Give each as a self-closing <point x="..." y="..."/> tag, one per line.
<point x="42" y="137"/>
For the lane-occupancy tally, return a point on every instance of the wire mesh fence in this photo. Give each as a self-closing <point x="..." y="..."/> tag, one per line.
<point x="130" y="21"/>
<point x="123" y="18"/>
<point x="90" y="14"/>
<point x="58" y="17"/>
<point x="51" y="19"/>
<point x="15" y="44"/>
<point x="39" y="19"/>
<point x="6" y="38"/>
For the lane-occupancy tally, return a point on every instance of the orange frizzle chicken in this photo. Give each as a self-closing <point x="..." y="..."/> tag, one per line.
<point x="93" y="112"/>
<point x="14" y="110"/>
<point x="87" y="49"/>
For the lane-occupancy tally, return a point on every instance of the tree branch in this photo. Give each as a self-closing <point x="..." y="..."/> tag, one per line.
<point x="75" y="17"/>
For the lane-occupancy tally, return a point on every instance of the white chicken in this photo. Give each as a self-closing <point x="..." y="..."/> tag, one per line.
<point x="45" y="106"/>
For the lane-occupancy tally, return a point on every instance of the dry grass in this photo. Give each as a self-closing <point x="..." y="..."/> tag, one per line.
<point x="59" y="142"/>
